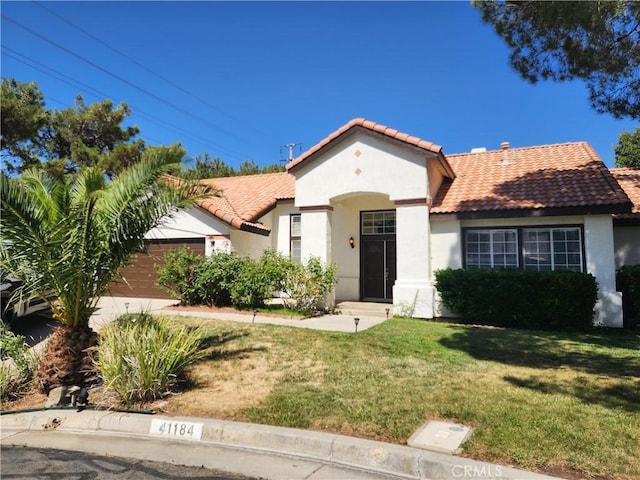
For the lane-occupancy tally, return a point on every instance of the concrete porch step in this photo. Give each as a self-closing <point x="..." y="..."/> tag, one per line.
<point x="364" y="309"/>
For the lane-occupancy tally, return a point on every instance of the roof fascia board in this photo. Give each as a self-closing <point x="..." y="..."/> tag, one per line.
<point x="533" y="212"/>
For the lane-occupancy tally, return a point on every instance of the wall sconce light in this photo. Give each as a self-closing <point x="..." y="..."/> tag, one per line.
<point x="356" y="320"/>
<point x="352" y="242"/>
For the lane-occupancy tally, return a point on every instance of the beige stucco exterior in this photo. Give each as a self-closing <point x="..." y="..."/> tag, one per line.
<point x="363" y="172"/>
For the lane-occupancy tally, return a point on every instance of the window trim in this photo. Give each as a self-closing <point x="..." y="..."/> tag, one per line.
<point x="520" y="239"/>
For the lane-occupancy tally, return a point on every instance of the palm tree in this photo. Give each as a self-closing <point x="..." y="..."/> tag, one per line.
<point x="66" y="239"/>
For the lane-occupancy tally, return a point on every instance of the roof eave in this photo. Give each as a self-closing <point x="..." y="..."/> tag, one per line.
<point x="361" y="124"/>
<point x="621" y="208"/>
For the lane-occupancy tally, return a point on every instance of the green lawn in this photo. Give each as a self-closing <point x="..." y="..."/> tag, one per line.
<point x="555" y="402"/>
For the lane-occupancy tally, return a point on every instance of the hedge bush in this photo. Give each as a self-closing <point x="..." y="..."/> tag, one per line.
<point x="628" y="282"/>
<point x="227" y="279"/>
<point x="178" y="275"/>
<point x="561" y="300"/>
<point x="306" y="286"/>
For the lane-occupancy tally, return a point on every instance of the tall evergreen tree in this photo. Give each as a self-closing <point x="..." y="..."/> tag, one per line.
<point x="628" y="149"/>
<point x="596" y="41"/>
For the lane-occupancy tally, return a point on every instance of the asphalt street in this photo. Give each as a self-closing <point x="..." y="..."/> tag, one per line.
<point x="48" y="464"/>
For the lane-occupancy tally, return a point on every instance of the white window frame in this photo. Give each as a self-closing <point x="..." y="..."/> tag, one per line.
<point x="552" y="251"/>
<point x="494" y="252"/>
<point x="555" y="248"/>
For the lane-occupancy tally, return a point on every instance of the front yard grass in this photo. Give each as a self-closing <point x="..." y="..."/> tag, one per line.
<point x="563" y="403"/>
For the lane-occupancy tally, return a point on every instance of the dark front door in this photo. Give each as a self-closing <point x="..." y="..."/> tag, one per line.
<point x="378" y="267"/>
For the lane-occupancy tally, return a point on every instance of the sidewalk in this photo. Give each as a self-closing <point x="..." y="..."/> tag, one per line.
<point x="111" y="307"/>
<point x="255" y="450"/>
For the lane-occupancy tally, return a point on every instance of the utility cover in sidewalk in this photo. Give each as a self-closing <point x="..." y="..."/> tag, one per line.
<point x="440" y="437"/>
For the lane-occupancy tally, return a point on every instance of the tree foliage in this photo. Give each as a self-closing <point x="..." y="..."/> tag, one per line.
<point x="63" y="141"/>
<point x="207" y="167"/>
<point x="596" y="41"/>
<point x="628" y="149"/>
<point x="66" y="239"/>
<point x="23" y="118"/>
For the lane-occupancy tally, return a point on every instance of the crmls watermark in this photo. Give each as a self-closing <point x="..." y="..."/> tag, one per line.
<point x="476" y="471"/>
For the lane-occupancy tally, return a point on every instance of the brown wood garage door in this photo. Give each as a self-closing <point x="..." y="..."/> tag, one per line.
<point x="141" y="276"/>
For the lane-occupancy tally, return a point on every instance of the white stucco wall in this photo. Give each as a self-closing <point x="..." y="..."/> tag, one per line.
<point x="189" y="223"/>
<point x="315" y="230"/>
<point x="600" y="258"/>
<point x="627" y="245"/>
<point x="413" y="292"/>
<point x="446" y="251"/>
<point x="253" y="244"/>
<point x="446" y="244"/>
<point x="362" y="163"/>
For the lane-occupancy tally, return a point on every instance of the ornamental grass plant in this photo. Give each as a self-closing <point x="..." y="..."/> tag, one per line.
<point x="142" y="358"/>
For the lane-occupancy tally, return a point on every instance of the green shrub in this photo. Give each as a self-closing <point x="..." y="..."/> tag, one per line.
<point x="18" y="364"/>
<point x="216" y="278"/>
<point x="142" y="358"/>
<point x="178" y="275"/>
<point x="561" y="300"/>
<point x="228" y="279"/>
<point x="306" y="286"/>
<point x="628" y="282"/>
<point x="259" y="279"/>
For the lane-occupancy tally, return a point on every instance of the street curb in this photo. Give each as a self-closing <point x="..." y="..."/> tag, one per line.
<point x="327" y="448"/>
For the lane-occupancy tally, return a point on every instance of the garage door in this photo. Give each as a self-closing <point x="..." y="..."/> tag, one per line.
<point x="141" y="276"/>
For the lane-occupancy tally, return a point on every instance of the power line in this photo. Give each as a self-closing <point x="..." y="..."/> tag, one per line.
<point x="147" y="69"/>
<point x="97" y="93"/>
<point x="117" y="77"/>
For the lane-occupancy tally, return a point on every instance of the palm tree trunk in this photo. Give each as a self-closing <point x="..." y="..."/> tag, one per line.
<point x="66" y="360"/>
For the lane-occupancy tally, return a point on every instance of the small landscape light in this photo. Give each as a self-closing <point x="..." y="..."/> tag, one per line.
<point x="126" y="306"/>
<point x="386" y="310"/>
<point x="255" y="312"/>
<point x="356" y="320"/>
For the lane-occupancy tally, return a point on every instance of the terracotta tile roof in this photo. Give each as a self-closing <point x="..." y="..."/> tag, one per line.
<point x="629" y="180"/>
<point x="374" y="127"/>
<point x="243" y="200"/>
<point x="561" y="176"/>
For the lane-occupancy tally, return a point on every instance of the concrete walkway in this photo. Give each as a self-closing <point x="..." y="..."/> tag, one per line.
<point x="254" y="450"/>
<point x="110" y="308"/>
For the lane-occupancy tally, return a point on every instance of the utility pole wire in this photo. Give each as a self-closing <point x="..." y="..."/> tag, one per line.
<point x="99" y="94"/>
<point x="147" y="69"/>
<point x="117" y="77"/>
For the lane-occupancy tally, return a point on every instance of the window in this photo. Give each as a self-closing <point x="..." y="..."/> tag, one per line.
<point x="294" y="239"/>
<point x="539" y="248"/>
<point x="375" y="223"/>
<point x="552" y="249"/>
<point x="492" y="248"/>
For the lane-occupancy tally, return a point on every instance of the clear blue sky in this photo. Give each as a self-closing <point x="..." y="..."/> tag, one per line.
<point x="240" y="79"/>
